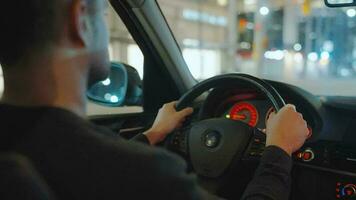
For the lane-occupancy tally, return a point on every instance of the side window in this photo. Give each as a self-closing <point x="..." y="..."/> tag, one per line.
<point x="122" y="49"/>
<point x="122" y="46"/>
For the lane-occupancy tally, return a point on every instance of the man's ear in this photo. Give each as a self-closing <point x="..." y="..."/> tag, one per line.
<point x="79" y="23"/>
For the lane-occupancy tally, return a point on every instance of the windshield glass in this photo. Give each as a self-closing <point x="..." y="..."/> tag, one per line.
<point x="301" y="42"/>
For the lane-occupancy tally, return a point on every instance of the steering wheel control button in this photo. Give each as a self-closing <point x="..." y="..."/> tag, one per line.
<point x="257" y="145"/>
<point x="212" y="139"/>
<point x="178" y="141"/>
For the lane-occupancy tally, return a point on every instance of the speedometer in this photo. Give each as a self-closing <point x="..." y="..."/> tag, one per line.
<point x="244" y="112"/>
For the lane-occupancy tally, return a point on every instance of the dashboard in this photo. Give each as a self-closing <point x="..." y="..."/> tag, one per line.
<point x="329" y="155"/>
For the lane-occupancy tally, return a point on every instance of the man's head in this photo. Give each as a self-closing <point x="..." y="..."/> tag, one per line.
<point x="32" y="30"/>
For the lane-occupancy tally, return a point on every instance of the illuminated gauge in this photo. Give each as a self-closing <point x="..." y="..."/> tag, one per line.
<point x="244" y="112"/>
<point x="269" y="112"/>
<point x="310" y="132"/>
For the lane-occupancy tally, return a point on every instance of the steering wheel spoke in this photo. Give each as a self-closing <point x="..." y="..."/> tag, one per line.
<point x="256" y="146"/>
<point x="178" y="141"/>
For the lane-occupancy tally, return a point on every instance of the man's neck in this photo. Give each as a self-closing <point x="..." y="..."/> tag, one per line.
<point x="55" y="84"/>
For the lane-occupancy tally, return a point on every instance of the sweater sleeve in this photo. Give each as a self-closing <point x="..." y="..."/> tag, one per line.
<point x="272" y="178"/>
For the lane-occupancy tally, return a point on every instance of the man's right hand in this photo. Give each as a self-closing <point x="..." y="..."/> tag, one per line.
<point x="287" y="129"/>
<point x="168" y="119"/>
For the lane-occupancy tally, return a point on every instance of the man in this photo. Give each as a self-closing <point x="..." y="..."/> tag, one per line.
<point x="50" y="52"/>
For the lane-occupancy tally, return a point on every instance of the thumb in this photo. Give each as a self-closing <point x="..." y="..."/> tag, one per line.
<point x="185" y="112"/>
<point x="271" y="116"/>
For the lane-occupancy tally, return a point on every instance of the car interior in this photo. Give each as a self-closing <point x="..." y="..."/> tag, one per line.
<point x="223" y="140"/>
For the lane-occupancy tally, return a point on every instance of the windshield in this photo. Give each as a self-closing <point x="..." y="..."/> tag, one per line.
<point x="301" y="42"/>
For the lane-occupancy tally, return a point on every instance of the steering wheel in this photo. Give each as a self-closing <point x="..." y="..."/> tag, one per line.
<point x="213" y="145"/>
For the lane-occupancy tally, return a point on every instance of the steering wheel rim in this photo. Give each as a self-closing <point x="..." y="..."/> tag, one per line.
<point x="230" y="79"/>
<point x="232" y="138"/>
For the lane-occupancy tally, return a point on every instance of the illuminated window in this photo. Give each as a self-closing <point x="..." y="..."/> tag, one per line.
<point x="135" y="58"/>
<point x="194" y="15"/>
<point x="203" y="63"/>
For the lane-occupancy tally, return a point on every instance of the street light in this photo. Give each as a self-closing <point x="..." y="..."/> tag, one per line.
<point x="297" y="47"/>
<point x="264" y="11"/>
<point x="351" y="13"/>
<point x="222" y="2"/>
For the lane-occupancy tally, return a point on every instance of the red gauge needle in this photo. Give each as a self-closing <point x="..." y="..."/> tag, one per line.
<point x="239" y="117"/>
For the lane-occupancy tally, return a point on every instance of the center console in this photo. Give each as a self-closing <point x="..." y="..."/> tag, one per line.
<point x="325" y="170"/>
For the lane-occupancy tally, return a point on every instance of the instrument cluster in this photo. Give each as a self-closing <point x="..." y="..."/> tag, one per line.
<point x="252" y="112"/>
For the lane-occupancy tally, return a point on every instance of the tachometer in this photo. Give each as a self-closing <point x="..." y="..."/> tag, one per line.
<point x="244" y="112"/>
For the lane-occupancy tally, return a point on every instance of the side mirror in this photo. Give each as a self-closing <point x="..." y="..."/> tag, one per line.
<point x="340" y="3"/>
<point x="122" y="87"/>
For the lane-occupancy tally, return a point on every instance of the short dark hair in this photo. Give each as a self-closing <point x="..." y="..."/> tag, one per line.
<point x="28" y="26"/>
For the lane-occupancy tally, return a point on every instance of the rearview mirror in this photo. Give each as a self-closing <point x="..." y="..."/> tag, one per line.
<point x="340" y="3"/>
<point x="122" y="87"/>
